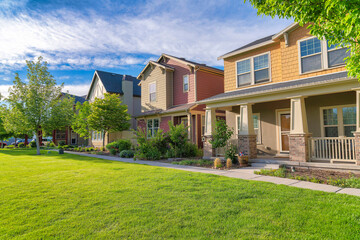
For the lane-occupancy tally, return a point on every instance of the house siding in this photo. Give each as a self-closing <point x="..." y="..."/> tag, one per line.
<point x="208" y="84"/>
<point x="164" y="123"/>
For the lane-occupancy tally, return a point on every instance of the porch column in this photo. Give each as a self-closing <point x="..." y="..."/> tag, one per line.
<point x="189" y="126"/>
<point x="299" y="134"/>
<point x="210" y="117"/>
<point x="246" y="134"/>
<point x="357" y="132"/>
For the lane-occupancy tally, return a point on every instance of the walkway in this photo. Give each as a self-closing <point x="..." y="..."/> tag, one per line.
<point x="242" y="173"/>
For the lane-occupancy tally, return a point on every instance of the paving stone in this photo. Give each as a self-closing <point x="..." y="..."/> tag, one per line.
<point x="316" y="186"/>
<point x="350" y="191"/>
<point x="246" y="176"/>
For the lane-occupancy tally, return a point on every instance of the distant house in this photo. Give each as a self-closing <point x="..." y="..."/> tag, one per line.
<point x="170" y="88"/>
<point x="68" y="135"/>
<point x="129" y="92"/>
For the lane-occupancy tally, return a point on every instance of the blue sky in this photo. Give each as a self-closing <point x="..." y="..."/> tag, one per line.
<point x="78" y="37"/>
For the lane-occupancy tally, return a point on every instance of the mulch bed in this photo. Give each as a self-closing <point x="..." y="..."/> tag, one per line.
<point x="321" y="174"/>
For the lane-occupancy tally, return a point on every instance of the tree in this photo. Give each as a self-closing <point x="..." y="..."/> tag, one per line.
<point x="108" y="115"/>
<point x="222" y="134"/>
<point x="3" y="133"/>
<point x="80" y="124"/>
<point x="35" y="104"/>
<point x="336" y="20"/>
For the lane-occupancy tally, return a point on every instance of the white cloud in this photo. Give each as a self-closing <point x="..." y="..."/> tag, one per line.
<point x="69" y="40"/>
<point x="78" y="90"/>
<point x="4" y="90"/>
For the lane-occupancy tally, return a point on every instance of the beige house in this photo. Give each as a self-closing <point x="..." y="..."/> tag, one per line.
<point x="130" y="93"/>
<point x="288" y="95"/>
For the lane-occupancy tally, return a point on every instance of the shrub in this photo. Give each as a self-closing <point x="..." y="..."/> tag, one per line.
<point x="230" y="152"/>
<point x="65" y="146"/>
<point x="126" y="154"/>
<point x="32" y="144"/>
<point x="222" y="134"/>
<point x="197" y="162"/>
<point x="102" y="149"/>
<point x="229" y="162"/>
<point x="124" y="144"/>
<point x="10" y="146"/>
<point x="51" y="145"/>
<point x="217" y="163"/>
<point x="61" y="143"/>
<point x="21" y="145"/>
<point x="113" y="151"/>
<point x="150" y="148"/>
<point x="178" y="136"/>
<point x="112" y="145"/>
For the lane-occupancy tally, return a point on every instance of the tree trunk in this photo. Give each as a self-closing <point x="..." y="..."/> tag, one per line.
<point x="37" y="143"/>
<point x="15" y="141"/>
<point x="103" y="139"/>
<point x="2" y="143"/>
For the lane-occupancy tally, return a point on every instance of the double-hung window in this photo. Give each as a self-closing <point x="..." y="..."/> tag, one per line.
<point x="317" y="54"/>
<point x="186" y="83"/>
<point x="152" y="127"/>
<point x="339" y="121"/>
<point x="152" y="92"/>
<point x="253" y="70"/>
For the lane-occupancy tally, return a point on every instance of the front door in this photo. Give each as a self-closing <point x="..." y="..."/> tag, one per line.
<point x="284" y="130"/>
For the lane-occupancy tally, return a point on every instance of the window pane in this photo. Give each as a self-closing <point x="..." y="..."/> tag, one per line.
<point x="261" y="62"/>
<point x="238" y="123"/>
<point x="310" y="46"/>
<point x="243" y="66"/>
<point x="311" y="63"/>
<point x="156" y="123"/>
<point x="152" y="87"/>
<point x="331" y="132"/>
<point x="349" y="115"/>
<point x="149" y="123"/>
<point x="330" y="116"/>
<point x="348" y="131"/>
<point x="244" y="79"/>
<point x="152" y="97"/>
<point x="256" y="119"/>
<point x="337" y="57"/>
<point x="262" y="75"/>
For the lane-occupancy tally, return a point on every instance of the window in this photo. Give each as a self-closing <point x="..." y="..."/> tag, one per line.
<point x="257" y="126"/>
<point x="97" y="136"/>
<point x="253" y="70"/>
<point x="186" y="83"/>
<point x="339" y="121"/>
<point x="152" y="92"/>
<point x="60" y="134"/>
<point x="202" y="125"/>
<point x="152" y="127"/>
<point x="316" y="54"/>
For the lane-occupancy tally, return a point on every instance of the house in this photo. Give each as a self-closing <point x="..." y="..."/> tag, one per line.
<point x="170" y="88"/>
<point x="128" y="90"/>
<point x="68" y="135"/>
<point x="288" y="95"/>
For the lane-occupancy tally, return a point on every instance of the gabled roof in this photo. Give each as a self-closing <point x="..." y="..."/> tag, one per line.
<point x="173" y="109"/>
<point x="80" y="99"/>
<point x="113" y="82"/>
<point x="260" y="42"/>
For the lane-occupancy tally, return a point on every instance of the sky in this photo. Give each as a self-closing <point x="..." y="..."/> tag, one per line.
<point x="121" y="36"/>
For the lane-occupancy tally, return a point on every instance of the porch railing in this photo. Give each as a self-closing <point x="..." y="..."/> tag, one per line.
<point x="339" y="149"/>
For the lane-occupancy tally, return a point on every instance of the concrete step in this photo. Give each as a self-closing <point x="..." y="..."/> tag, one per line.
<point x="265" y="165"/>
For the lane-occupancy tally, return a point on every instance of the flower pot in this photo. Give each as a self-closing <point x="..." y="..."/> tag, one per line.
<point x="243" y="161"/>
<point x="61" y="151"/>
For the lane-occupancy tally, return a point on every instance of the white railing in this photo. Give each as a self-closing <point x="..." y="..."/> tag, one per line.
<point x="340" y="149"/>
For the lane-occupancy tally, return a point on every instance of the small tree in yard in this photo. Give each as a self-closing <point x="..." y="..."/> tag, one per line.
<point x="108" y="115"/>
<point x="178" y="138"/>
<point x="36" y="104"/>
<point x="336" y="20"/>
<point x="3" y="133"/>
<point x="220" y="139"/>
<point x="80" y="123"/>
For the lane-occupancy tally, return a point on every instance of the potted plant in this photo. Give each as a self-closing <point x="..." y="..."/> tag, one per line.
<point x="243" y="159"/>
<point x="61" y="150"/>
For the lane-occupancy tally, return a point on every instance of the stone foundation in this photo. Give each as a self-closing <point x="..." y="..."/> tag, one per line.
<point x="208" y="150"/>
<point x="357" y="147"/>
<point x="299" y="147"/>
<point x="247" y="144"/>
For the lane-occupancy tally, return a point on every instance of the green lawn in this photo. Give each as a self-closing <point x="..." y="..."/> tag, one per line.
<point x="75" y="197"/>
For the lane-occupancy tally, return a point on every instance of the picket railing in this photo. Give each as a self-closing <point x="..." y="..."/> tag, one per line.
<point x="339" y="149"/>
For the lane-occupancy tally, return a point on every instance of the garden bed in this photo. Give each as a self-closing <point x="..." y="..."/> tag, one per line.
<point x="206" y="163"/>
<point x="335" y="178"/>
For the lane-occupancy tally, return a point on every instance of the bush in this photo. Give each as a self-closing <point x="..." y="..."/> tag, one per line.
<point x="126" y="154"/>
<point x="32" y="144"/>
<point x="178" y="136"/>
<point x="10" y="146"/>
<point x="229" y="162"/>
<point x="150" y="148"/>
<point x="21" y="145"/>
<point x="124" y="144"/>
<point x="50" y="145"/>
<point x="61" y="143"/>
<point x="217" y="163"/>
<point x="113" y="151"/>
<point x="65" y="146"/>
<point x="230" y="152"/>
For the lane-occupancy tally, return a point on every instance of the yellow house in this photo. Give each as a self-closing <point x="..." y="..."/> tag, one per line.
<point x="288" y="95"/>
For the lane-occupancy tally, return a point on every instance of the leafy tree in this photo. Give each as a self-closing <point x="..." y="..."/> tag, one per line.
<point x="178" y="136"/>
<point x="108" y="115"/>
<point x="336" y="20"/>
<point x="222" y="134"/>
<point x="80" y="124"/>
<point x="3" y="133"/>
<point x="36" y="105"/>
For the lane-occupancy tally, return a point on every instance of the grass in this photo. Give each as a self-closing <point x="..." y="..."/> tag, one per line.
<point x="75" y="197"/>
<point x="195" y="162"/>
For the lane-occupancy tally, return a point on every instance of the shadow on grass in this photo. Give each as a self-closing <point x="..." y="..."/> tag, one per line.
<point x="46" y="153"/>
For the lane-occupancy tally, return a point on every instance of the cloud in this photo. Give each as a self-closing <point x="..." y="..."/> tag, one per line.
<point x="70" y="39"/>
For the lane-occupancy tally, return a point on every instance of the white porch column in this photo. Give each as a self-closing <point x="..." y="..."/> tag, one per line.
<point x="189" y="126"/>
<point x="246" y="134"/>
<point x="210" y="118"/>
<point x="357" y="132"/>
<point x="299" y="133"/>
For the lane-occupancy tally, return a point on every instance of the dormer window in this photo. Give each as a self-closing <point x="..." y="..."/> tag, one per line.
<point x="253" y="70"/>
<point x="316" y="54"/>
<point x="186" y="83"/>
<point x="152" y="92"/>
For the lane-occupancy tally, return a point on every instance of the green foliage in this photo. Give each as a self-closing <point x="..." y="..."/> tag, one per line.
<point x="32" y="144"/>
<point x="61" y="143"/>
<point x="352" y="182"/>
<point x="21" y="145"/>
<point x="52" y="145"/>
<point x="118" y="146"/>
<point x="10" y="146"/>
<point x="281" y="172"/>
<point x="126" y="154"/>
<point x="80" y="124"/>
<point x="37" y="103"/>
<point x="195" y="162"/>
<point x="150" y="148"/>
<point x="336" y="20"/>
<point x="230" y="152"/>
<point x="222" y="134"/>
<point x="178" y="140"/>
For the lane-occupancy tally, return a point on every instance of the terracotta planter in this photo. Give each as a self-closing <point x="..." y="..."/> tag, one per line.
<point x="243" y="161"/>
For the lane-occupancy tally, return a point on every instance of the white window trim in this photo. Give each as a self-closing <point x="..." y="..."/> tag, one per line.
<point x="155" y="91"/>
<point x="323" y="53"/>
<point x="259" y="138"/>
<point x="252" y="71"/>
<point x="340" y="125"/>
<point x="188" y="77"/>
<point x="153" y="128"/>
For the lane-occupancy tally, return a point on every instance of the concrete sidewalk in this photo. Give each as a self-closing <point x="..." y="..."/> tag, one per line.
<point x="242" y="173"/>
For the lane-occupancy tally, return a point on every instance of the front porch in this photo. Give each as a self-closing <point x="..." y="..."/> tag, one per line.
<point x="313" y="129"/>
